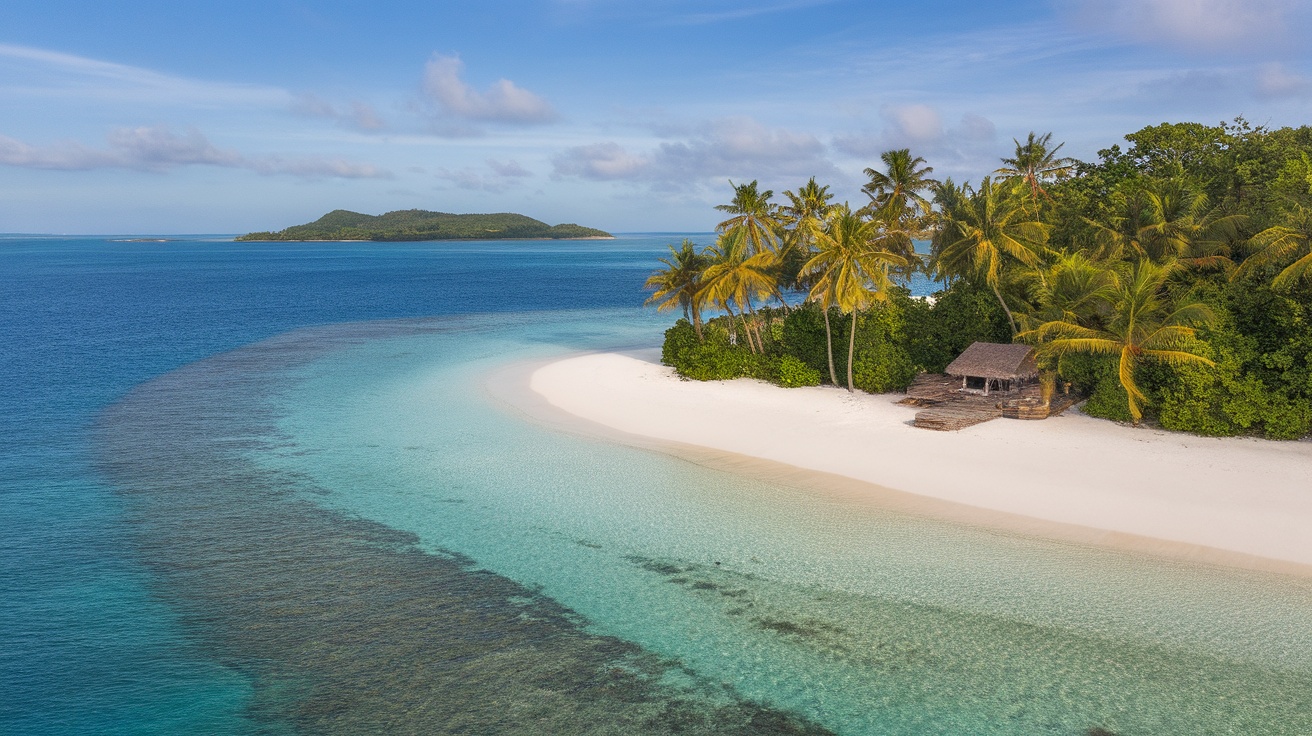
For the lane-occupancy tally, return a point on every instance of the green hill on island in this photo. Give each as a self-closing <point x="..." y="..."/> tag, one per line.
<point x="425" y="225"/>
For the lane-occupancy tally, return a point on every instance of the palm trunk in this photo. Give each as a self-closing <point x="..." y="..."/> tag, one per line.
<point x="729" y="311"/>
<point x="747" y="331"/>
<point x="757" y="327"/>
<point x="829" y="348"/>
<point x="851" y="350"/>
<point x="697" y="321"/>
<point x="1003" y="302"/>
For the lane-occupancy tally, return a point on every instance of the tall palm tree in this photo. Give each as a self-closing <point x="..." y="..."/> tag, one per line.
<point x="984" y="231"/>
<point x="751" y="212"/>
<point x="678" y="284"/>
<point x="736" y="275"/>
<point x="1142" y="324"/>
<point x="1279" y="244"/>
<point x="1035" y="163"/>
<point x="896" y="195"/>
<point x="852" y="272"/>
<point x="802" y="218"/>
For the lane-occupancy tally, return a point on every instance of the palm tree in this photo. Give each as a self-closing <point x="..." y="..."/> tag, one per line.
<point x="983" y="231"/>
<point x="752" y="213"/>
<point x="1142" y="324"/>
<point x="1035" y="163"/>
<point x="1279" y="244"/>
<point x="895" y="196"/>
<point x="802" y="218"/>
<point x="1074" y="289"/>
<point x="679" y="282"/>
<point x="852" y="270"/>
<point x="1167" y="219"/>
<point x="734" y="276"/>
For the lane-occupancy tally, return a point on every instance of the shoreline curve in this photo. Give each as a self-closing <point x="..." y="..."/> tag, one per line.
<point x="1233" y="502"/>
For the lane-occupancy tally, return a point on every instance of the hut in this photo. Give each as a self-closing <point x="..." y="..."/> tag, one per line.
<point x="987" y="367"/>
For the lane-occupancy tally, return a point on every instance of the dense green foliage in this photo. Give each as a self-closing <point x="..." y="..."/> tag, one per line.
<point x="893" y="342"/>
<point x="403" y="225"/>
<point x="1169" y="281"/>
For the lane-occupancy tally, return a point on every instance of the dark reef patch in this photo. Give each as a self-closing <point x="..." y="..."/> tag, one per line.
<point x="343" y="624"/>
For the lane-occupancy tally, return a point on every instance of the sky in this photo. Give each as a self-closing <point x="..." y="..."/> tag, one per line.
<point x="188" y="117"/>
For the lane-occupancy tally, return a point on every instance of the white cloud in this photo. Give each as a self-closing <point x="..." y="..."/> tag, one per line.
<point x="678" y="12"/>
<point x="600" y="161"/>
<point x="1190" y="22"/>
<point x="913" y="123"/>
<point x="503" y="102"/>
<point x="357" y="115"/>
<point x="508" y="168"/>
<point x="32" y="72"/>
<point x="503" y="176"/>
<point x="728" y="148"/>
<point x="316" y="167"/>
<point x="918" y="127"/>
<point x="158" y="149"/>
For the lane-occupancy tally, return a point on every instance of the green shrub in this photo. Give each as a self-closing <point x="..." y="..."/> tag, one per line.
<point x="1109" y="401"/>
<point x="804" y="337"/>
<point x="790" y="372"/>
<point x="960" y="315"/>
<point x="713" y="359"/>
<point x="882" y="371"/>
<point x="679" y="341"/>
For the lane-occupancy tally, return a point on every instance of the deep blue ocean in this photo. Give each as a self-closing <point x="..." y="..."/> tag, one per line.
<point x="84" y="648"/>
<point x="264" y="488"/>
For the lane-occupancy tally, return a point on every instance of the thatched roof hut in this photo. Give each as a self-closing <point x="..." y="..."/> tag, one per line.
<point x="986" y="366"/>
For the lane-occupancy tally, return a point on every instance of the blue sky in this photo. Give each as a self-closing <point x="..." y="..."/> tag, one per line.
<point x="171" y="117"/>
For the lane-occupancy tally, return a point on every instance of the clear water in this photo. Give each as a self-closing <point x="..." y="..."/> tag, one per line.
<point x="211" y="526"/>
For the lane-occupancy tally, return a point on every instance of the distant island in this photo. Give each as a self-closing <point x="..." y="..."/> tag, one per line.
<point x="424" y="225"/>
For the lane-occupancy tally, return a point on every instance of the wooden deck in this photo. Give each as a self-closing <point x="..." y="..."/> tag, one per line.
<point x="947" y="409"/>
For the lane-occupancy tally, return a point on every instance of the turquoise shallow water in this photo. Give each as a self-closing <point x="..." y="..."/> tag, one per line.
<point x="860" y="620"/>
<point x="232" y="506"/>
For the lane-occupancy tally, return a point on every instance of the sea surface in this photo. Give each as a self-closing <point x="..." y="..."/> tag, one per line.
<point x="264" y="488"/>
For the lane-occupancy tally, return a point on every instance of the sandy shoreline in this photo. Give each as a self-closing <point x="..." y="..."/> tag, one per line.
<point x="1232" y="501"/>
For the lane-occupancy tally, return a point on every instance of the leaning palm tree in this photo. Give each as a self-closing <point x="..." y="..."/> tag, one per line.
<point x="1287" y="243"/>
<point x="736" y="275"/>
<point x="1142" y="324"/>
<point x="896" y="196"/>
<point x="986" y="230"/>
<point x="852" y="272"/>
<point x="678" y="284"/>
<point x="751" y="212"/>
<point x="1035" y="163"/>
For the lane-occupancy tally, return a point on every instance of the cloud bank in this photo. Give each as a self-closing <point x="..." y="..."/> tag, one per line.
<point x="502" y="175"/>
<point x="725" y="148"/>
<point x="1190" y="22"/>
<point x="159" y="149"/>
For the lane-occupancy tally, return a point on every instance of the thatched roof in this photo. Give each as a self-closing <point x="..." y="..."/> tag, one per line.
<point x="992" y="360"/>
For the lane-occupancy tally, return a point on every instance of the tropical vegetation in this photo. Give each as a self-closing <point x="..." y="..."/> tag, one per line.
<point x="1169" y="281"/>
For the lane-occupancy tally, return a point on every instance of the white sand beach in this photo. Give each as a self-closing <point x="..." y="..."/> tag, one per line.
<point x="1237" y="501"/>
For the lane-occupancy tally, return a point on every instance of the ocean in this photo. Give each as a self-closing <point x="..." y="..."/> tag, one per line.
<point x="263" y="488"/>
